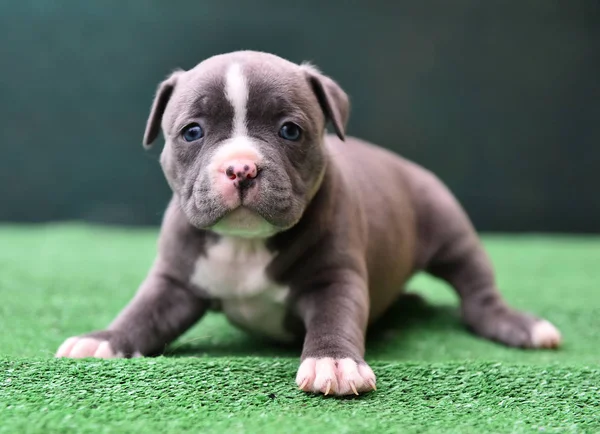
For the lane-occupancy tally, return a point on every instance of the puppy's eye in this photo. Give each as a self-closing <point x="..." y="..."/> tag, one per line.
<point x="290" y="131"/>
<point x="192" y="132"/>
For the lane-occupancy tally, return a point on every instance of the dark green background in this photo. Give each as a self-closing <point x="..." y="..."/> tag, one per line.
<point x="500" y="98"/>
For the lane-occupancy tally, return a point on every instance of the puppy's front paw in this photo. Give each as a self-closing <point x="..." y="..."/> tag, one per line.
<point x="100" y="345"/>
<point x="81" y="347"/>
<point x="335" y="376"/>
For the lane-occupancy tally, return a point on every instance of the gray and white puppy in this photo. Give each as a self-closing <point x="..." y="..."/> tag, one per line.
<point x="291" y="232"/>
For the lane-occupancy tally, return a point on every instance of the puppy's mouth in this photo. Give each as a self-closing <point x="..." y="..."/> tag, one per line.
<point x="257" y="208"/>
<point x="243" y="222"/>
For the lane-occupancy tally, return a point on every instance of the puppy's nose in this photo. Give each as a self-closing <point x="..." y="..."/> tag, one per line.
<point x="241" y="172"/>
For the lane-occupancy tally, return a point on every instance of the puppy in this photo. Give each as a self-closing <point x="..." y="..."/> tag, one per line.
<point x="293" y="233"/>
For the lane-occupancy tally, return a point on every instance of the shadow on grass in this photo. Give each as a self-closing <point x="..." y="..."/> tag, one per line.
<point x="411" y="315"/>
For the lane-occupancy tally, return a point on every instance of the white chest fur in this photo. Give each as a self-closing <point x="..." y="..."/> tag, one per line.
<point x="234" y="271"/>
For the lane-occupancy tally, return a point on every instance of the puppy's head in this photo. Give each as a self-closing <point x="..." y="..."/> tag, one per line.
<point x="244" y="134"/>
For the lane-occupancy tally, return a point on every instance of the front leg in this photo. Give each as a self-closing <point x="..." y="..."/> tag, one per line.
<point x="162" y="310"/>
<point x="335" y="317"/>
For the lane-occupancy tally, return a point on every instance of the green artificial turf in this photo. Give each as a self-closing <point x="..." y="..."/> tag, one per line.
<point x="433" y="376"/>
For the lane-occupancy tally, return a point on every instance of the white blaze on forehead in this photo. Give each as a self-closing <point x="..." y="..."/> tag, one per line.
<point x="236" y="91"/>
<point x="239" y="146"/>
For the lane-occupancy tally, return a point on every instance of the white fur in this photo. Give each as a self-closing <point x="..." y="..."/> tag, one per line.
<point x="81" y="347"/>
<point x="335" y="376"/>
<point x="545" y="335"/>
<point x="234" y="271"/>
<point x="236" y="91"/>
<point x="239" y="147"/>
<point x="244" y="223"/>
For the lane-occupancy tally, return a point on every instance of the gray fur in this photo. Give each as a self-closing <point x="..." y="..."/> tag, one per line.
<point x="353" y="221"/>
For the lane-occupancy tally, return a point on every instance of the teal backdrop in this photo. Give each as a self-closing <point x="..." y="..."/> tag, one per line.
<point x="500" y="98"/>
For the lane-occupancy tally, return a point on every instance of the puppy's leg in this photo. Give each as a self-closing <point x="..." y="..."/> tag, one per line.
<point x="335" y="318"/>
<point x="451" y="250"/>
<point x="164" y="307"/>
<point x="161" y="311"/>
<point x="465" y="265"/>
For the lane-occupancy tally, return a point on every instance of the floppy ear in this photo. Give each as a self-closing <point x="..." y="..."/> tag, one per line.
<point x="163" y="94"/>
<point x="333" y="100"/>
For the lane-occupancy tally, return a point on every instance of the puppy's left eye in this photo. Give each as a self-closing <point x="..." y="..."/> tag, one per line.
<point x="192" y="132"/>
<point x="290" y="131"/>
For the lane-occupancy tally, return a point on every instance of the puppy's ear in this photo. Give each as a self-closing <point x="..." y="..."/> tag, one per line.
<point x="163" y="94"/>
<point x="333" y="100"/>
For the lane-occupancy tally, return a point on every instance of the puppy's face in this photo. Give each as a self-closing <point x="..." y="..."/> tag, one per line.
<point x="244" y="134"/>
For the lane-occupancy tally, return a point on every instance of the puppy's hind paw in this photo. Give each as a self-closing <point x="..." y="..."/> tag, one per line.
<point x="545" y="335"/>
<point x="516" y="329"/>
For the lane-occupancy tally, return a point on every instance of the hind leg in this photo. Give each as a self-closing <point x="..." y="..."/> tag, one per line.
<point x="452" y="251"/>
<point x="467" y="268"/>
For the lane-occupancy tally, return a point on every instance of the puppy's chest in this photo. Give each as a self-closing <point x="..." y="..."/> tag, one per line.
<point x="234" y="272"/>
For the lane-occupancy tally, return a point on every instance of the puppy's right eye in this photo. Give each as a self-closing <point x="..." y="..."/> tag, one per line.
<point x="192" y="132"/>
